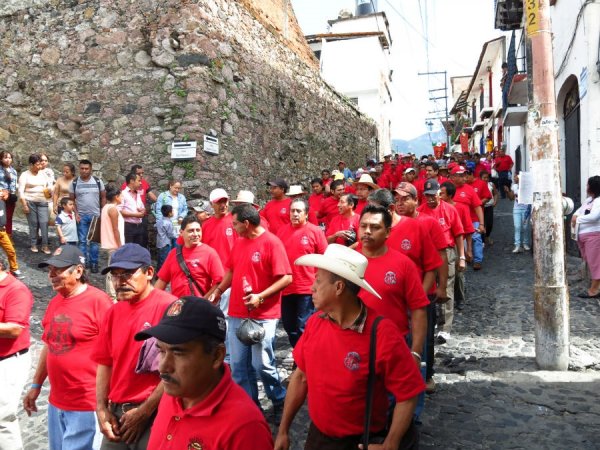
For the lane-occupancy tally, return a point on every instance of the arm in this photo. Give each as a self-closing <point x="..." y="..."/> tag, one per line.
<point x="428" y="280"/>
<point x="134" y="421"/>
<point x="102" y="199"/>
<point x="41" y="373"/>
<point x="60" y="234"/>
<point x="479" y="213"/>
<point x="418" y="330"/>
<point x="460" y="250"/>
<point x="509" y="192"/>
<point x="294" y="399"/>
<point x="222" y="287"/>
<point x="403" y="413"/>
<point x="152" y="196"/>
<point x="254" y="301"/>
<point x="109" y="426"/>
<point x="113" y="214"/>
<point x="442" y="273"/>
<point x="160" y="284"/>
<point x="55" y="192"/>
<point x="9" y="330"/>
<point x="22" y="183"/>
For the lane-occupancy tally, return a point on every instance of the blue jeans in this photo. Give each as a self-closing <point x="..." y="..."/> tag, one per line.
<point x="161" y="256"/>
<point x="521" y="216"/>
<point x="295" y="311"/>
<point x="224" y="306"/>
<point x="477" y="245"/>
<point x="249" y="360"/>
<point x="91" y="256"/>
<point x="421" y="398"/>
<point x="72" y="430"/>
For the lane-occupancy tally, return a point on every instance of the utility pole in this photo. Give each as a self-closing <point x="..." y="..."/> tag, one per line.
<point x="445" y="97"/>
<point x="551" y="297"/>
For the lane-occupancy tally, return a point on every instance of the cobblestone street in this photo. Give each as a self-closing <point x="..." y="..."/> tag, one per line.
<point x="489" y="394"/>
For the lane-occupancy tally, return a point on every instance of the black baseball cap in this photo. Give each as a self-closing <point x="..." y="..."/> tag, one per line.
<point x="279" y="182"/>
<point x="431" y="187"/>
<point x="186" y="319"/>
<point x="129" y="256"/>
<point x="64" y="256"/>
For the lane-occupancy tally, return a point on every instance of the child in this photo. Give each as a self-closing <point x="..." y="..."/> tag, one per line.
<point x="165" y="235"/>
<point x="66" y="224"/>
<point x="5" y="241"/>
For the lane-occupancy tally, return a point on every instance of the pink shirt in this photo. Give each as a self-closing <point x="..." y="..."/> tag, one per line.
<point x="130" y="202"/>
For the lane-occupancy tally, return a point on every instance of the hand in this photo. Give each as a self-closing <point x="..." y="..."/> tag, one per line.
<point x="252" y="301"/>
<point x="26" y="209"/>
<point x="29" y="401"/>
<point x="282" y="441"/>
<point x="462" y="265"/>
<point x="77" y="218"/>
<point x="133" y="423"/>
<point x="55" y="211"/>
<point x="506" y="189"/>
<point x="109" y="426"/>
<point x="573" y="220"/>
<point x="215" y="297"/>
<point x="469" y="255"/>
<point x="441" y="296"/>
<point x="63" y="240"/>
<point x="378" y="446"/>
<point x="481" y="228"/>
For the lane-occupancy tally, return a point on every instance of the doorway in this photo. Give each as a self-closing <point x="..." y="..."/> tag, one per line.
<point x="571" y="116"/>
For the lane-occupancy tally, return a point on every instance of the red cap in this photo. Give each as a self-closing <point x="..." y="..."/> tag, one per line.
<point x="457" y="170"/>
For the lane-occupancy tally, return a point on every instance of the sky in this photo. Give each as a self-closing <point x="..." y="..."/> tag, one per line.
<point x="428" y="36"/>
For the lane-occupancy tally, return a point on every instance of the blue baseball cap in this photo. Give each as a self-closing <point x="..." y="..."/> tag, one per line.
<point x="129" y="256"/>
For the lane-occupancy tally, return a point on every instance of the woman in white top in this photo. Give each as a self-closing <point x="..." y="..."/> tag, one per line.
<point x="112" y="229"/>
<point x="34" y="195"/>
<point x="587" y="222"/>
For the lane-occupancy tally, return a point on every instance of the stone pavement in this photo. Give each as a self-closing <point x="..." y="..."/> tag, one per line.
<point x="489" y="393"/>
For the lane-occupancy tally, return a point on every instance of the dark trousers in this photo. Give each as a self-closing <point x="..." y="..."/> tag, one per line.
<point x="430" y="342"/>
<point x="295" y="311"/>
<point x="134" y="233"/>
<point x="315" y="440"/>
<point x="488" y="220"/>
<point x="503" y="180"/>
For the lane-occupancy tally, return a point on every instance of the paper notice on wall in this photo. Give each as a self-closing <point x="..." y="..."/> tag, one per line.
<point x="526" y="188"/>
<point x="542" y="172"/>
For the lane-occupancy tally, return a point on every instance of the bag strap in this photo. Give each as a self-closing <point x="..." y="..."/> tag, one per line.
<point x="186" y="272"/>
<point x="370" y="381"/>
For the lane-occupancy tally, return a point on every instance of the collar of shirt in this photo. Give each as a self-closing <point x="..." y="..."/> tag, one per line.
<point x="359" y="323"/>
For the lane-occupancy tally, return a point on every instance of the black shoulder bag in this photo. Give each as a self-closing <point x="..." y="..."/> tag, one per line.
<point x="410" y="440"/>
<point x="186" y="272"/>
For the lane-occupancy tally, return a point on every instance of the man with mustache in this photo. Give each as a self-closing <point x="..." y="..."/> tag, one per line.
<point x="202" y="407"/>
<point x="202" y="263"/>
<point x="127" y="396"/>
<point x="71" y="325"/>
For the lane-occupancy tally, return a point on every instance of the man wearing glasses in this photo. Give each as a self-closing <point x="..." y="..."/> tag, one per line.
<point x="127" y="396"/>
<point x="71" y="325"/>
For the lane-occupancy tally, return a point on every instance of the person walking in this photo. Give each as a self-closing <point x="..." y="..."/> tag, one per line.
<point x="112" y="230"/>
<point x="8" y="181"/>
<point x="521" y="218"/>
<point x="177" y="200"/>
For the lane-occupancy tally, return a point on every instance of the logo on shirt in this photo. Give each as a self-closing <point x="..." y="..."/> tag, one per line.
<point x="60" y="335"/>
<point x="352" y="361"/>
<point x="442" y="221"/>
<point x="194" y="262"/>
<point x="304" y="240"/>
<point x="390" y="278"/>
<point x="195" y="444"/>
<point x="283" y="211"/>
<point x="406" y="245"/>
<point x="229" y="231"/>
<point x="256" y="257"/>
<point x="463" y="194"/>
<point x="175" y="308"/>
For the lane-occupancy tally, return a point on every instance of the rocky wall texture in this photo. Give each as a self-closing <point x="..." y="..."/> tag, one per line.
<point x="116" y="81"/>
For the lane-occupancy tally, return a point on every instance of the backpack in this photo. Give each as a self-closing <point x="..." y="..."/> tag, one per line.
<point x="97" y="184"/>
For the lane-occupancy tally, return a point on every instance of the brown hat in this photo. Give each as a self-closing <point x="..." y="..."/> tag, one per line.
<point x="406" y="188"/>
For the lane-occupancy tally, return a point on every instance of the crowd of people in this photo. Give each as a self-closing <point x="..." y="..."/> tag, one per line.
<point x="370" y="264"/>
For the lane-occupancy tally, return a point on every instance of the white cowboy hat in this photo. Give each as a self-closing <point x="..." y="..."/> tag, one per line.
<point x="244" y="197"/>
<point x="342" y="261"/>
<point x="295" y="189"/>
<point x="365" y="178"/>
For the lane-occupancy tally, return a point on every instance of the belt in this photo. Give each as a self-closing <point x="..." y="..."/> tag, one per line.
<point x="20" y="352"/>
<point x="123" y="407"/>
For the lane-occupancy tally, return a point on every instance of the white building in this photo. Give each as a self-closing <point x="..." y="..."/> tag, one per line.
<point x="354" y="58"/>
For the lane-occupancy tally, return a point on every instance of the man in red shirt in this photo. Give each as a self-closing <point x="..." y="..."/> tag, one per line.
<point x="202" y="407"/>
<point x="126" y="398"/>
<point x="333" y="362"/>
<point x="202" y="262"/>
<point x="299" y="238"/>
<point x="342" y="228"/>
<point x="364" y="186"/>
<point x="71" y="325"/>
<point x="257" y="271"/>
<point x="480" y="187"/>
<point x="277" y="210"/>
<point x="217" y="231"/>
<point x="15" y="309"/>
<point x="467" y="195"/>
<point x="315" y="200"/>
<point x="503" y="163"/>
<point x="329" y="206"/>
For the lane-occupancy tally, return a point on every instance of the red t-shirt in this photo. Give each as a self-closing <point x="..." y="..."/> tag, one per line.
<point x="300" y="241"/>
<point x="339" y="223"/>
<point x="433" y="229"/>
<point x="16" y="302"/>
<point x="409" y="238"/>
<point x="350" y="189"/>
<point x="447" y="217"/>
<point x="467" y="195"/>
<point x="478" y="168"/>
<point x="220" y="235"/>
<point x="464" y="213"/>
<point x="262" y="261"/>
<point x="481" y="189"/>
<point x="226" y="419"/>
<point x="336" y="364"/>
<point x="328" y="210"/>
<point x="396" y="278"/>
<point x="503" y="163"/>
<point x="116" y="347"/>
<point x="360" y="205"/>
<point x="204" y="265"/>
<point x="314" y="205"/>
<point x="277" y="212"/>
<point x="142" y="190"/>
<point x="71" y="329"/>
<point x="385" y="181"/>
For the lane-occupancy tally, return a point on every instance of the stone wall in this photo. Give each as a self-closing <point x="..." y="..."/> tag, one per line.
<point x="116" y="81"/>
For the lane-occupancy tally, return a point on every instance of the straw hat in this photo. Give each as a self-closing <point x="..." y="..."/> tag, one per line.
<point x="365" y="178"/>
<point x="244" y="197"/>
<point x="295" y="189"/>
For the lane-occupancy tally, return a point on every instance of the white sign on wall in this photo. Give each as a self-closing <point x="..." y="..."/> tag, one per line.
<point x="211" y="144"/>
<point x="183" y="150"/>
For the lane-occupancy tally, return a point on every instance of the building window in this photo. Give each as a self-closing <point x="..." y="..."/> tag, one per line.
<point x="318" y="54"/>
<point x="354" y="100"/>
